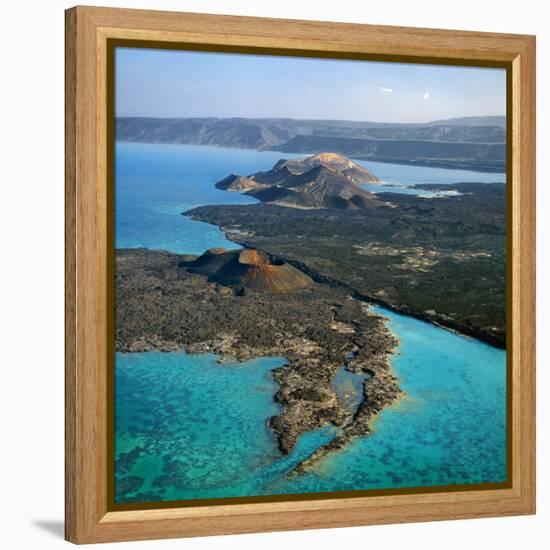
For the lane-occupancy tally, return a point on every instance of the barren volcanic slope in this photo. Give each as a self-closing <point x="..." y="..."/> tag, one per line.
<point x="338" y="163"/>
<point x="248" y="269"/>
<point x="324" y="180"/>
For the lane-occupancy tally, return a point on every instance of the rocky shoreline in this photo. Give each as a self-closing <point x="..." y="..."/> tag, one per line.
<point x="161" y="304"/>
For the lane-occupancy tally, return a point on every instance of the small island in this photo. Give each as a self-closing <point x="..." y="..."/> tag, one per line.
<point x="324" y="180"/>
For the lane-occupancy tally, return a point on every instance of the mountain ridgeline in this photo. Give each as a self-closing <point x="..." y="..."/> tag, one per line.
<point x="324" y="180"/>
<point x="477" y="143"/>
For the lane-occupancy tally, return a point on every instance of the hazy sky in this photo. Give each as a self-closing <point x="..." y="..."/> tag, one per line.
<point x="164" y="83"/>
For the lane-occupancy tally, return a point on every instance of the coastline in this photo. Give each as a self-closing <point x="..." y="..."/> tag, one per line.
<point x="364" y="417"/>
<point x="318" y="331"/>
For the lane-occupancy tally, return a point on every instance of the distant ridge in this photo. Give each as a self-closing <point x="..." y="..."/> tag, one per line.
<point x="487" y="120"/>
<point x="471" y="121"/>
<point x="470" y="142"/>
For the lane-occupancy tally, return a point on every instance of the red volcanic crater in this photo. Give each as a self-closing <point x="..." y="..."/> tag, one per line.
<point x="249" y="268"/>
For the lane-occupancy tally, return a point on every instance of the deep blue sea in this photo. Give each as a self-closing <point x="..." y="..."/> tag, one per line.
<point x="188" y="426"/>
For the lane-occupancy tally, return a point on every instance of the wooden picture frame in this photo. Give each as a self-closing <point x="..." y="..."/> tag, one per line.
<point x="89" y="30"/>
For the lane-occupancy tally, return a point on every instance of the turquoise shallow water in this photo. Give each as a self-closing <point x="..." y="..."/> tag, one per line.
<point x="450" y="428"/>
<point x="188" y="427"/>
<point x="349" y="387"/>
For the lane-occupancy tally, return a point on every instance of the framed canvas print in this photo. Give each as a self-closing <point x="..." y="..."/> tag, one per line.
<point x="300" y="274"/>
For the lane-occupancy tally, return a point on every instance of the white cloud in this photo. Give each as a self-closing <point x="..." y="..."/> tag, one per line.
<point x="426" y="96"/>
<point x="385" y="91"/>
